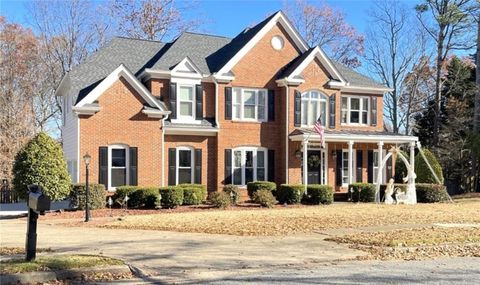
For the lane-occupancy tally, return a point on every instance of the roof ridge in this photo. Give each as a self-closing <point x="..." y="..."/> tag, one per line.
<point x="136" y="39"/>
<point x="205" y="34"/>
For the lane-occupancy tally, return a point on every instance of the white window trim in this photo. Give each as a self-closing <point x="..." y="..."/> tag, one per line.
<point x="348" y="110"/>
<point x="192" y="163"/>
<point x="323" y="155"/>
<point x="180" y="118"/>
<point x="322" y="98"/>
<point x="242" y="104"/>
<point x="127" y="163"/>
<point x="354" y="173"/>
<point x="242" y="167"/>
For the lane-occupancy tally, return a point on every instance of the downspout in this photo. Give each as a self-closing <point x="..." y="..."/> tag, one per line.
<point x="286" y="131"/>
<point x="163" y="149"/>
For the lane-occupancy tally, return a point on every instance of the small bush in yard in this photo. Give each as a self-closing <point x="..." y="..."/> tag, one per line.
<point x="144" y="197"/>
<point x="219" y="199"/>
<point x="193" y="194"/>
<point x="319" y="194"/>
<point x="424" y="175"/>
<point x="265" y="198"/>
<point x="96" y="196"/>
<point x="431" y="193"/>
<point x="366" y="190"/>
<point x="252" y="187"/>
<point x="233" y="192"/>
<point x="123" y="191"/>
<point x="171" y="197"/>
<point x="290" y="194"/>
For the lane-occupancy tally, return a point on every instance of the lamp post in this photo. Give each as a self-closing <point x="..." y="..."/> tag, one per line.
<point x="86" y="159"/>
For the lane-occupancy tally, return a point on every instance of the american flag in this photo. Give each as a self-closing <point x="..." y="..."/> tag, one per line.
<point x="320" y="130"/>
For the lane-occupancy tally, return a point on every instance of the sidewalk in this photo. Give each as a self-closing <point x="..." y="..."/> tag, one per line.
<point x="21" y="209"/>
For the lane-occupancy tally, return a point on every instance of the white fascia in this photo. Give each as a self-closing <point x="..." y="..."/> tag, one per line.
<point x="356" y="138"/>
<point x="291" y="82"/>
<point x="186" y="69"/>
<point x="278" y="18"/>
<point x="155" y="113"/>
<point x="371" y="90"/>
<point x="86" y="110"/>
<point x="191" y="131"/>
<point x="120" y="71"/>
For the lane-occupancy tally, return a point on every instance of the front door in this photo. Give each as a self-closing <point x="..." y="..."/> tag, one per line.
<point x="314" y="166"/>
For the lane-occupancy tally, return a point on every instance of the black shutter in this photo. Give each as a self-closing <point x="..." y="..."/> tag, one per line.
<point x="199" y="102"/>
<point x="172" y="165"/>
<point x="271" y="105"/>
<point x="389" y="168"/>
<point x="331" y="119"/>
<point x="198" y="166"/>
<point x="173" y="100"/>
<point x="228" y="167"/>
<point x="228" y="103"/>
<point x="373" y="115"/>
<point x="298" y="108"/>
<point x="103" y="166"/>
<point x="359" y="165"/>
<point x="271" y="165"/>
<point x="338" y="174"/>
<point x="370" y="166"/>
<point x="133" y="171"/>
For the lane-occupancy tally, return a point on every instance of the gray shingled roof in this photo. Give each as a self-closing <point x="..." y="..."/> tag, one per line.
<point x="356" y="78"/>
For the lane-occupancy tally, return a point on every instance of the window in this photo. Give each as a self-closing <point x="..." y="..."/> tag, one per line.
<point x="314" y="105"/>
<point x="249" y="164"/>
<point x="118" y="166"/>
<point x="355" y="110"/>
<point x="249" y="104"/>
<point x="185" y="165"/>
<point x="186" y="102"/>
<point x="345" y="167"/>
<point x="72" y="169"/>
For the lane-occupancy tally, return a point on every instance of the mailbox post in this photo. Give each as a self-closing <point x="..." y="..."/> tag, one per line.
<point x="38" y="203"/>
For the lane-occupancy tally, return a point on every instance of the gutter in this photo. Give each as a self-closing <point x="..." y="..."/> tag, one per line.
<point x="217" y="124"/>
<point x="163" y="149"/>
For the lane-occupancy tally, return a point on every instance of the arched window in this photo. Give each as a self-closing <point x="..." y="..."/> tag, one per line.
<point x="314" y="105"/>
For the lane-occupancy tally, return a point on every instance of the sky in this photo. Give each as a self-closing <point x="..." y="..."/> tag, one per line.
<point x="228" y="17"/>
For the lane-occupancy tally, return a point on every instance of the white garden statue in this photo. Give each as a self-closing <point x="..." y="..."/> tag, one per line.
<point x="389" y="192"/>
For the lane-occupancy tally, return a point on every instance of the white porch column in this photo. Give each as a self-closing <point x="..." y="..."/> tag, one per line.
<point x="412" y="175"/>
<point x="350" y="162"/>
<point x="380" y="159"/>
<point x="305" y="174"/>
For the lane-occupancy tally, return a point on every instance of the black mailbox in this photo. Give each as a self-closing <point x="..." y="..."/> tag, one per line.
<point x="37" y="201"/>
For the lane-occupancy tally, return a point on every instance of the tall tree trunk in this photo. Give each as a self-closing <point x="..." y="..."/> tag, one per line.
<point x="476" y="111"/>
<point x="438" y="87"/>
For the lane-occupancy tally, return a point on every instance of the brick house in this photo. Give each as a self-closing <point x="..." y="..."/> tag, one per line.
<point x="215" y="110"/>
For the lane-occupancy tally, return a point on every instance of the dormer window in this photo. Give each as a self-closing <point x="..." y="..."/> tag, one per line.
<point x="314" y="105"/>
<point x="186" y="104"/>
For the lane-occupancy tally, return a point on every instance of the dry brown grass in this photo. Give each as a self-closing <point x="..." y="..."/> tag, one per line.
<point x="285" y="221"/>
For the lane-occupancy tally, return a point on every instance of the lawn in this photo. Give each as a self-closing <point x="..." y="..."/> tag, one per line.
<point x="55" y="262"/>
<point x="287" y="221"/>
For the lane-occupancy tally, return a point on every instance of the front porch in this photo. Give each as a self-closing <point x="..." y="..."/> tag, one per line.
<point x="347" y="157"/>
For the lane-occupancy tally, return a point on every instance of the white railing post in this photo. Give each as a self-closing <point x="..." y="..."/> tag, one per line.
<point x="350" y="162"/>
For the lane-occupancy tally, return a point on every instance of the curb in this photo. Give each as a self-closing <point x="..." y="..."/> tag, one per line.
<point x="10" y="217"/>
<point x="38" y="277"/>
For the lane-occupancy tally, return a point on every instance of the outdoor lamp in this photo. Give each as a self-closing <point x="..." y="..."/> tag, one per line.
<point x="86" y="159"/>
<point x="298" y="154"/>
<point x="334" y="154"/>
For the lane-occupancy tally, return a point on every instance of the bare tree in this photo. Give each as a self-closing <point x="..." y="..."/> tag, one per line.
<point x="391" y="29"/>
<point x="450" y="26"/>
<point x="152" y="19"/>
<point x="321" y="25"/>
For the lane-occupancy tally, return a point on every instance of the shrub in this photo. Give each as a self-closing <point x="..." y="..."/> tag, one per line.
<point x="400" y="168"/>
<point x="123" y="191"/>
<point x="219" y="199"/>
<point x="366" y="190"/>
<point x="147" y="197"/>
<point x="252" y="187"/>
<point x="264" y="197"/>
<point x="431" y="193"/>
<point x="424" y="175"/>
<point x="96" y="196"/>
<point x="41" y="162"/>
<point x="319" y="194"/>
<point x="171" y="197"/>
<point x="290" y="194"/>
<point x="235" y="198"/>
<point x="193" y="194"/>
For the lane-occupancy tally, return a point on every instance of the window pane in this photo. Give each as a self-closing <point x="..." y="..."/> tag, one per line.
<point x="314" y="94"/>
<point x="237" y="159"/>
<point x="344" y="116"/>
<point x="313" y="112"/>
<point x="186" y="93"/>
<point x="261" y="112"/>
<point x="249" y="97"/>
<point x="354" y="103"/>
<point x="248" y="175"/>
<point x="323" y="112"/>
<point x="260" y="174"/>
<point x="365" y="104"/>
<point x="354" y="117"/>
<point x="186" y="108"/>
<point x="344" y="102"/>
<point x="305" y="112"/>
<point x="184" y="158"/>
<point x="249" y="112"/>
<point x="261" y="97"/>
<point x="364" y="117"/>
<point x="237" y="176"/>
<point x="118" y="158"/>
<point x="118" y="177"/>
<point x="236" y="111"/>
<point x="184" y="175"/>
<point x="249" y="159"/>
<point x="237" y="95"/>
<point x="260" y="158"/>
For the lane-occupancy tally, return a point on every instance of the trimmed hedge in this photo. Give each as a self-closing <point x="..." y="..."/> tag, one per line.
<point x="193" y="194"/>
<point x="96" y="196"/>
<point x="252" y="187"/>
<point x="219" y="199"/>
<point x="171" y="197"/>
<point x="235" y="198"/>
<point x="290" y="194"/>
<point x="367" y="192"/>
<point x="265" y="198"/>
<point x="424" y="175"/>
<point x="147" y="197"/>
<point x="319" y="194"/>
<point x="431" y="193"/>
